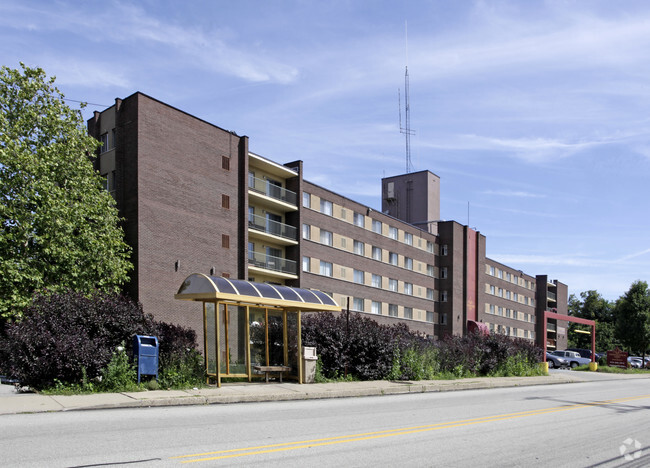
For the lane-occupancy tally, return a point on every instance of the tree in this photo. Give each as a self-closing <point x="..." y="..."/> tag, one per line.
<point x="59" y="228"/>
<point x="592" y="306"/>
<point x="633" y="318"/>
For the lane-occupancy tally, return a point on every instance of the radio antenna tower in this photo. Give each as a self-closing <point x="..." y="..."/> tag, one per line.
<point x="406" y="129"/>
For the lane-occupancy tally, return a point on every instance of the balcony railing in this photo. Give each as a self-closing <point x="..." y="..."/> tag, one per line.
<point x="551" y="296"/>
<point x="271" y="190"/>
<point x="260" y="223"/>
<point x="269" y="262"/>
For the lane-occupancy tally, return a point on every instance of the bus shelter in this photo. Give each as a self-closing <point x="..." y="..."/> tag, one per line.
<point x="249" y="325"/>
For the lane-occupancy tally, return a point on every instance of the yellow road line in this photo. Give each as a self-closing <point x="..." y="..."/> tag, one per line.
<point x="262" y="449"/>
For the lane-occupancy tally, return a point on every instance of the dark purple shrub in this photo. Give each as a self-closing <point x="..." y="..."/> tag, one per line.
<point x="360" y="345"/>
<point x="63" y="334"/>
<point x="174" y="340"/>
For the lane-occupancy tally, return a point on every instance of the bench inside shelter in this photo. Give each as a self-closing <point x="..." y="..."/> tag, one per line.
<point x="272" y="370"/>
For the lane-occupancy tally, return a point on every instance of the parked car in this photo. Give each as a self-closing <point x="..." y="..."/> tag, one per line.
<point x="556" y="362"/>
<point x="586" y="353"/>
<point x="635" y="362"/>
<point x="573" y="358"/>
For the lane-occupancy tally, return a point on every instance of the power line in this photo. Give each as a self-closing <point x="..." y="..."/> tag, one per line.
<point x="87" y="103"/>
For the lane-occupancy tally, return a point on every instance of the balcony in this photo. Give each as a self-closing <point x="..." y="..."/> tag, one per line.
<point x="266" y="190"/>
<point x="273" y="229"/>
<point x="551" y="296"/>
<point x="275" y="266"/>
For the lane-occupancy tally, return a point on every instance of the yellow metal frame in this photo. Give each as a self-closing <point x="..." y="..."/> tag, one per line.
<point x="227" y="299"/>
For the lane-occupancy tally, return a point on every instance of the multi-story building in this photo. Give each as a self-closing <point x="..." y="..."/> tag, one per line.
<point x="194" y="198"/>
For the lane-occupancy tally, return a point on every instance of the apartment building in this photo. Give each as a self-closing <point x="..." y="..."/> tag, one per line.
<point x="195" y="199"/>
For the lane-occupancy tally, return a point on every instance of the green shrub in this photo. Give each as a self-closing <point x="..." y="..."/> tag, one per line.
<point x="182" y="370"/>
<point x="119" y="375"/>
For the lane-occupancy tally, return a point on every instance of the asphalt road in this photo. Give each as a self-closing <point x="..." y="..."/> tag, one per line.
<point x="589" y="424"/>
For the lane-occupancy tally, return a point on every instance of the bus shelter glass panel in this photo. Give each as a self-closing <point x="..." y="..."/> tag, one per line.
<point x="211" y="338"/>
<point x="233" y="339"/>
<point x="292" y="342"/>
<point x="257" y="323"/>
<point x="276" y="338"/>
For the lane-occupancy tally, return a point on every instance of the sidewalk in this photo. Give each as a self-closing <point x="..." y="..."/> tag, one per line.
<point x="14" y="403"/>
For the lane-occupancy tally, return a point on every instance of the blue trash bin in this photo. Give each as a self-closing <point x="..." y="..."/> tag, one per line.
<point x="145" y="354"/>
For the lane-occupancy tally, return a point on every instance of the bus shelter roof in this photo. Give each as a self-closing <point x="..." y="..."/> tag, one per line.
<point x="200" y="287"/>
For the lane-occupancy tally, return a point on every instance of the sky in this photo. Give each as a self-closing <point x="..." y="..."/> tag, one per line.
<point x="534" y="114"/>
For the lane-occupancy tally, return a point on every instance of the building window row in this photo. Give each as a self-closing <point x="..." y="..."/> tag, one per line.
<point x="358" y="304"/>
<point x="509" y="277"/>
<point x="326" y="268"/>
<point x="510" y="295"/>
<point x="326" y="207"/>
<point x="511" y="331"/>
<point x="509" y="313"/>
<point x="359" y="248"/>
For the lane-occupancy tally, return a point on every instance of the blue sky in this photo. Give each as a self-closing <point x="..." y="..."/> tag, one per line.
<point x="534" y="114"/>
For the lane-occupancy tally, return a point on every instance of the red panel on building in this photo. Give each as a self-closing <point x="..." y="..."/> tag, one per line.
<point x="471" y="284"/>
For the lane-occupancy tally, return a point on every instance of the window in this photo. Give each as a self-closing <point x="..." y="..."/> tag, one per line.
<point x="491" y="271"/>
<point x="359" y="248"/>
<point x="500" y="274"/>
<point x="251" y="251"/>
<point x="408" y="312"/>
<point x="376" y="281"/>
<point x="443" y="273"/>
<point x="500" y="292"/>
<point x="251" y="179"/>
<point x="491" y="309"/>
<point x="325" y="268"/>
<point x="443" y="296"/>
<point x="492" y="289"/>
<point x="375" y="307"/>
<point x="430" y="247"/>
<point x="306" y="199"/>
<point x="326" y="207"/>
<point x="408" y="288"/>
<point x="408" y="263"/>
<point x="225" y="201"/>
<point x="431" y="271"/>
<point x="508" y="277"/>
<point x="376" y="253"/>
<point x="357" y="303"/>
<point x="430" y="294"/>
<point x="392" y="310"/>
<point x="392" y="284"/>
<point x="225" y="163"/>
<point x="408" y="238"/>
<point x="104" y="140"/>
<point x="344" y="243"/>
<point x="392" y="258"/>
<point x="392" y="232"/>
<point x="359" y="220"/>
<point x="515" y="297"/>
<point x="110" y="182"/>
<point x="376" y="226"/>
<point x="443" y="319"/>
<point x="507" y="294"/>
<point x="306" y="231"/>
<point x="326" y="237"/>
<point x="359" y="276"/>
<point x="306" y="264"/>
<point x="225" y="241"/>
<point x="429" y="316"/>
<point x="443" y="250"/>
